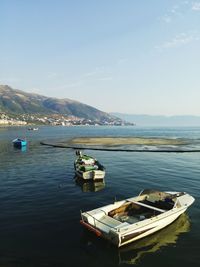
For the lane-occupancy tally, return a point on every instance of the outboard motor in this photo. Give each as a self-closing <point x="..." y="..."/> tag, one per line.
<point x="78" y="153"/>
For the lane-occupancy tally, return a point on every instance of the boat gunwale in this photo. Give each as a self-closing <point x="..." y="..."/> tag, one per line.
<point x="126" y="232"/>
<point x="147" y="221"/>
<point x="123" y="231"/>
<point x="152" y="220"/>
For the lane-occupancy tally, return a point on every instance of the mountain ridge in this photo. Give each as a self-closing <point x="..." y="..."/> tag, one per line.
<point x="17" y="101"/>
<point x="159" y="120"/>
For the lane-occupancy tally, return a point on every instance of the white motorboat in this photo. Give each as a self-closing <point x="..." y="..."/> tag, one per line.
<point x="88" y="168"/>
<point x="131" y="219"/>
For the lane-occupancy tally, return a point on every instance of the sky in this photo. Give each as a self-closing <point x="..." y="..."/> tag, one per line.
<point x="128" y="56"/>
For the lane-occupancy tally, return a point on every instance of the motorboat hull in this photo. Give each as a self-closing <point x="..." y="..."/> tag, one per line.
<point x="113" y="223"/>
<point x="19" y="143"/>
<point x="149" y="229"/>
<point x="91" y="175"/>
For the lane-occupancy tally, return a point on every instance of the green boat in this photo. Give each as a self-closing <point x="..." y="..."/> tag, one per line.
<point x="88" y="168"/>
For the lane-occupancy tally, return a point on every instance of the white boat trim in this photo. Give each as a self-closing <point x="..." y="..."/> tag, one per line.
<point x="110" y="223"/>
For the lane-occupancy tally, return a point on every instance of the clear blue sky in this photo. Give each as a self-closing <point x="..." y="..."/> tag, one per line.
<point x="130" y="56"/>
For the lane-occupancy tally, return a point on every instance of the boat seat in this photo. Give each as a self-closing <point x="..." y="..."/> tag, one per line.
<point x="110" y="221"/>
<point x="106" y="223"/>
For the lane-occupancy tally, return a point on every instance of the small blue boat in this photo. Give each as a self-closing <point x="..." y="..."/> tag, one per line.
<point x="19" y="143"/>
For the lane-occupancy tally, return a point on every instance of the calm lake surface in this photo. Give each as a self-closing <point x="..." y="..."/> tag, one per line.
<point x="40" y="201"/>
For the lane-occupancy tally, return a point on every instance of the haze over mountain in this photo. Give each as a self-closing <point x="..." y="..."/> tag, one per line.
<point x="19" y="102"/>
<point x="150" y="120"/>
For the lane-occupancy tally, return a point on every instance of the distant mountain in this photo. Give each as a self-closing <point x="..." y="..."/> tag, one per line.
<point x="149" y="120"/>
<point x="20" y="102"/>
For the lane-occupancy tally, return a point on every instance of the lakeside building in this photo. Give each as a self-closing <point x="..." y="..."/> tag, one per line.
<point x="12" y="122"/>
<point x="56" y="119"/>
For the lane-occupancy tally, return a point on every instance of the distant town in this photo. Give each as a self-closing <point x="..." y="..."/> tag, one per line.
<point x="56" y="120"/>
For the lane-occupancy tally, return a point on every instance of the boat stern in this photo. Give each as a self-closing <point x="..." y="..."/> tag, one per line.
<point x="185" y="200"/>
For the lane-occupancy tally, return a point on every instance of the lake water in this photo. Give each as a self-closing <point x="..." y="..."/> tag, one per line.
<point x="40" y="201"/>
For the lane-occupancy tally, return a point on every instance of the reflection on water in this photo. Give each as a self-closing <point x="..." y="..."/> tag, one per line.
<point x="38" y="192"/>
<point x="132" y="253"/>
<point x="7" y="147"/>
<point x="102" y="251"/>
<point x="4" y="147"/>
<point x="23" y="148"/>
<point x="90" y="186"/>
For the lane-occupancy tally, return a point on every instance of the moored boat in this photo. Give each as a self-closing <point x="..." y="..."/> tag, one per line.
<point x="131" y="219"/>
<point x="88" y="168"/>
<point x="33" y="129"/>
<point x="19" y="143"/>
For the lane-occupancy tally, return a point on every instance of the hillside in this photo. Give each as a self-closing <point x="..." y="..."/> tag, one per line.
<point x="19" y="102"/>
